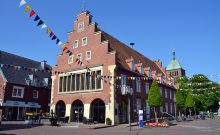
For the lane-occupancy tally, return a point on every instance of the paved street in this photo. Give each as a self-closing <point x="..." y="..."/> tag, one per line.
<point x="200" y="127"/>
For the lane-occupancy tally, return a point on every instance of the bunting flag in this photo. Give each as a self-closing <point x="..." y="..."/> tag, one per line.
<point x="51" y="34"/>
<point x="70" y="53"/>
<point x="28" y="8"/>
<point x="54" y="37"/>
<point x="48" y="30"/>
<point x="40" y="23"/>
<point x="44" y="26"/>
<point x="60" y="43"/>
<point x="57" y="41"/>
<point x="65" y="48"/>
<point x="37" y="18"/>
<point x="23" y="2"/>
<point x="32" y="13"/>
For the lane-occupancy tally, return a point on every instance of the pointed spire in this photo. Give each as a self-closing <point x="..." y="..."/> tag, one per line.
<point x="174" y="54"/>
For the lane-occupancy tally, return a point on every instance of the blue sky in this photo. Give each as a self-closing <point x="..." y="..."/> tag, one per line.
<point x="191" y="27"/>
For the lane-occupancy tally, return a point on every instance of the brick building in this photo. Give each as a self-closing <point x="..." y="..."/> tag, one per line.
<point x="21" y="88"/>
<point x="96" y="93"/>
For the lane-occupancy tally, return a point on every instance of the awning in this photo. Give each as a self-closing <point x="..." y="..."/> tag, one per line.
<point x="20" y="104"/>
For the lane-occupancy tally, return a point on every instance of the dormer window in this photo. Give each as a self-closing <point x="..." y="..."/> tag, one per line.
<point x="142" y="70"/>
<point x="133" y="66"/>
<point x="80" y="26"/>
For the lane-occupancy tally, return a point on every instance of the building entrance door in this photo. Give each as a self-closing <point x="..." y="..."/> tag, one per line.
<point x="77" y="111"/>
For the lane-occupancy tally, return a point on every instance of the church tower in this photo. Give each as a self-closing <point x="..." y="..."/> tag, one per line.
<point x="174" y="68"/>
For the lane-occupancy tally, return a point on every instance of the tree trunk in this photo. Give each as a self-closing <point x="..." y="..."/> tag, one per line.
<point x="155" y="114"/>
<point x="190" y="112"/>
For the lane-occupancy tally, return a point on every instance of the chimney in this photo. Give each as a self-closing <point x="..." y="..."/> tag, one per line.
<point x="43" y="64"/>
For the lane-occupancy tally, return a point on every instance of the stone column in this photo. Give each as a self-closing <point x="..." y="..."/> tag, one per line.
<point x="68" y="111"/>
<point x="52" y="104"/>
<point x="87" y="111"/>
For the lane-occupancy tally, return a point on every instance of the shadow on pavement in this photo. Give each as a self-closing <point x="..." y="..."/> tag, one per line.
<point x="6" y="127"/>
<point x="7" y="134"/>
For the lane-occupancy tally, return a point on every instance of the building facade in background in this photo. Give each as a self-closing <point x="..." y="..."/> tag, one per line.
<point x="24" y="86"/>
<point x="95" y="92"/>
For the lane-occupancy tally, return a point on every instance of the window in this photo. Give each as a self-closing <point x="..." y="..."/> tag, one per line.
<point x="166" y="93"/>
<point x="18" y="92"/>
<point x="138" y="103"/>
<point x="142" y="70"/>
<point x="88" y="55"/>
<point x="138" y="85"/>
<point x="79" y="56"/>
<point x="161" y="91"/>
<point x="61" y="84"/>
<point x="84" y="41"/>
<point x="70" y="59"/>
<point x="35" y="94"/>
<point x="98" y="80"/>
<point x="147" y="87"/>
<point x="161" y="108"/>
<point x="81" y="27"/>
<point x="133" y="66"/>
<point x="171" y="108"/>
<point x="170" y="94"/>
<point x="166" y="107"/>
<point x="75" y="44"/>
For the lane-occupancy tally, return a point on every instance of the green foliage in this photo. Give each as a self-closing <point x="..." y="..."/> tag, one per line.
<point x="180" y="100"/>
<point x="189" y="101"/>
<point x="154" y="97"/>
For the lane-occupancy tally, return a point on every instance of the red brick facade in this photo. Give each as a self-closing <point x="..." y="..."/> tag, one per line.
<point x="113" y="58"/>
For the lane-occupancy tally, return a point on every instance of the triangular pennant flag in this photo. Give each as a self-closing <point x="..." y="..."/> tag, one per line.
<point x="40" y="23"/>
<point x="51" y="34"/>
<point x="64" y="49"/>
<point x="23" y="2"/>
<point x="44" y="26"/>
<point x="28" y="8"/>
<point x="48" y="30"/>
<point x="60" y="43"/>
<point x="37" y="18"/>
<point x="54" y="37"/>
<point x="32" y="13"/>
<point x="57" y="41"/>
<point x="68" y="51"/>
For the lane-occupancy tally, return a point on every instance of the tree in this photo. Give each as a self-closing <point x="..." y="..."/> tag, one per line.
<point x="189" y="102"/>
<point x="180" y="101"/>
<point x="154" y="98"/>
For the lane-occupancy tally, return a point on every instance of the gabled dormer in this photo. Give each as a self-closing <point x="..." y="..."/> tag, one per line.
<point x="140" y="68"/>
<point x="131" y="64"/>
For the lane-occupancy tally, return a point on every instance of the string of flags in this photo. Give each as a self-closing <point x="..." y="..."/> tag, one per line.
<point x="51" y="34"/>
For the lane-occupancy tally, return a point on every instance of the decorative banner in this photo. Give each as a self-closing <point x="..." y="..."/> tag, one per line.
<point x="48" y="30"/>
<point x="54" y="37"/>
<point x="28" y="8"/>
<point x="32" y="13"/>
<point x="51" y="34"/>
<point x="37" y="18"/>
<point x="23" y="2"/>
<point x="40" y="23"/>
<point x="57" y="41"/>
<point x="44" y="26"/>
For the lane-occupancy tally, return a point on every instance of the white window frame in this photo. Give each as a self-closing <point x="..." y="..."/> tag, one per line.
<point x="18" y="88"/>
<point x="142" y="70"/>
<point x="86" y="41"/>
<point x="70" y="57"/>
<point x="80" y="29"/>
<point x="79" y="54"/>
<point x="87" y="55"/>
<point x="37" y="93"/>
<point x="74" y="44"/>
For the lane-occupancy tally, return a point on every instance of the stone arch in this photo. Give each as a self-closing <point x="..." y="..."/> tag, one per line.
<point x="98" y="110"/>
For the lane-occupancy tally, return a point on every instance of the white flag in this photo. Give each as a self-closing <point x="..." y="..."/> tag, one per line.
<point x="44" y="26"/>
<point x="23" y="2"/>
<point x="60" y="43"/>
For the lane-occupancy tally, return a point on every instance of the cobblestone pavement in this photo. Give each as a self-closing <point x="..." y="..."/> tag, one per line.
<point x="199" y="127"/>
